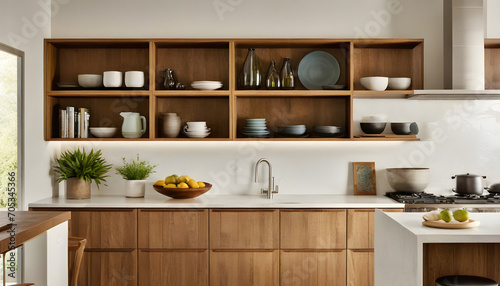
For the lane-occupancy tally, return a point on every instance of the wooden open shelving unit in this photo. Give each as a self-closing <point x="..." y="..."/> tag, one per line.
<point x="226" y="109"/>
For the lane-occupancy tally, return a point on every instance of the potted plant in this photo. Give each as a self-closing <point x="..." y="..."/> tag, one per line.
<point x="79" y="169"/>
<point x="135" y="174"/>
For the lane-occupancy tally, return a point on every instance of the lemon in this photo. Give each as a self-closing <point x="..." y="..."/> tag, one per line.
<point x="461" y="215"/>
<point x="193" y="184"/>
<point x="182" y="185"/>
<point x="160" y="183"/>
<point x="183" y="179"/>
<point x="445" y="215"/>
<point x="175" y="176"/>
<point x="170" y="180"/>
<point x="170" y="186"/>
<point x="201" y="184"/>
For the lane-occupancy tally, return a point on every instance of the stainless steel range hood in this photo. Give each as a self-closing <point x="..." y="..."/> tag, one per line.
<point x="464" y="30"/>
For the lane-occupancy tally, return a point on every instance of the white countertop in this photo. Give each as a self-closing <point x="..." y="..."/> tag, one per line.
<point x="400" y="239"/>
<point x="487" y="231"/>
<point x="223" y="201"/>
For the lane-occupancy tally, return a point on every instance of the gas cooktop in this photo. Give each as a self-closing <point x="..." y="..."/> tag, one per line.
<point x="425" y="198"/>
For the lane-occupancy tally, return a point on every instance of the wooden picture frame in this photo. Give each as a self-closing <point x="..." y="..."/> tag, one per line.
<point x="364" y="178"/>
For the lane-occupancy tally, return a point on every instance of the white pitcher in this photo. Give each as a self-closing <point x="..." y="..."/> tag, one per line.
<point x="131" y="127"/>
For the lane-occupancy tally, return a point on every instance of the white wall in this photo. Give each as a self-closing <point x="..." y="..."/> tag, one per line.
<point x="458" y="136"/>
<point x="24" y="25"/>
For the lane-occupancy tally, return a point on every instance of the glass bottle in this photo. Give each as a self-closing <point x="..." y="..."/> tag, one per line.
<point x="169" y="81"/>
<point x="286" y="75"/>
<point x="272" y="77"/>
<point x="250" y="76"/>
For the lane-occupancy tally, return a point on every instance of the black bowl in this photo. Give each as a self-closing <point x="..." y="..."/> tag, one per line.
<point x="373" y="127"/>
<point x="401" y="128"/>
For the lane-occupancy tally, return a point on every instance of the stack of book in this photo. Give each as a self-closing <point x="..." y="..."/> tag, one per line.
<point x="74" y="122"/>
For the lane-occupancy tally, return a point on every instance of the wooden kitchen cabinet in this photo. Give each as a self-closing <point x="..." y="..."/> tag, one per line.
<point x="221" y="60"/>
<point x="110" y="228"/>
<point x="244" y="268"/>
<point x="110" y="267"/>
<point x="244" y="229"/>
<point x="361" y="227"/>
<point x="313" y="229"/>
<point x="173" y="267"/>
<point x="360" y="244"/>
<point x="313" y="268"/>
<point x="360" y="269"/>
<point x="173" y="229"/>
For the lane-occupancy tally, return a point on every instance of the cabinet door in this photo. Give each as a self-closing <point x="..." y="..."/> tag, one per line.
<point x="106" y="228"/>
<point x="313" y="268"/>
<point x="173" y="229"/>
<point x="108" y="268"/>
<point x="244" y="229"/>
<point x="360" y="227"/>
<point x="178" y="267"/>
<point x="244" y="268"/>
<point x="360" y="271"/>
<point x="313" y="229"/>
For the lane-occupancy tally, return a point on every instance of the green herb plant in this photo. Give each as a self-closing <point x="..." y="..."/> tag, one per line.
<point x="136" y="170"/>
<point x="78" y="164"/>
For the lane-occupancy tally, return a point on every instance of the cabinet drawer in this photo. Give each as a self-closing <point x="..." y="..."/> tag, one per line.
<point x="109" y="268"/>
<point x="244" y="268"/>
<point x="106" y="228"/>
<point x="360" y="268"/>
<point x="361" y="227"/>
<point x="322" y="268"/>
<point x="173" y="229"/>
<point x="244" y="229"/>
<point x="313" y="229"/>
<point x="175" y="267"/>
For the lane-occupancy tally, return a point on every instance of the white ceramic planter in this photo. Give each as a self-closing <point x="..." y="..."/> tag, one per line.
<point x="135" y="188"/>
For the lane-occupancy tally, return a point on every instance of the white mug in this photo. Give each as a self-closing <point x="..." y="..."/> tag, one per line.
<point x="134" y="79"/>
<point x="112" y="79"/>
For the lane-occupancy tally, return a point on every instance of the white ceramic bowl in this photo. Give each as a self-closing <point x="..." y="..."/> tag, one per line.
<point x="112" y="79"/>
<point x="399" y="83"/>
<point x="206" y="85"/>
<point x="408" y="180"/>
<point x="327" y="129"/>
<point x="103" y="132"/>
<point x="378" y="83"/>
<point x="90" y="80"/>
<point x="374" y="118"/>
<point x="134" y="79"/>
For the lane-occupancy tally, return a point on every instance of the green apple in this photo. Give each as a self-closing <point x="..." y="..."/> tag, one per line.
<point x="445" y="215"/>
<point x="461" y="215"/>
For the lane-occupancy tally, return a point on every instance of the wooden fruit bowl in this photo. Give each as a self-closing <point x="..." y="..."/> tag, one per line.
<point x="183" y="193"/>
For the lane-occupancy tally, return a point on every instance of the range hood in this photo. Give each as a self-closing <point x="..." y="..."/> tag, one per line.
<point x="464" y="30"/>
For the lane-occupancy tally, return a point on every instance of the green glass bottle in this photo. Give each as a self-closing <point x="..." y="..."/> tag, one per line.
<point x="287" y="75"/>
<point x="272" y="77"/>
<point x="250" y="76"/>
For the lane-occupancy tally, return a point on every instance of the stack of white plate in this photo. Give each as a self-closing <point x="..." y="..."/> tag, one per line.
<point x="206" y="85"/>
<point x="255" y="127"/>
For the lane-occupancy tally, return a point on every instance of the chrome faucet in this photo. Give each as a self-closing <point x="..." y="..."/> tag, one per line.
<point x="271" y="189"/>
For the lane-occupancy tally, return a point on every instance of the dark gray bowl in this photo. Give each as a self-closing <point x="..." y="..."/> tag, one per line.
<point x="401" y="128"/>
<point x="373" y="127"/>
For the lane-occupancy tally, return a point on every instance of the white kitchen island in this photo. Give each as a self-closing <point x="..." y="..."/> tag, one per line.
<point x="409" y="253"/>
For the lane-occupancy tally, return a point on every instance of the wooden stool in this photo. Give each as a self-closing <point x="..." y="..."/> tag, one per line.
<point x="76" y="244"/>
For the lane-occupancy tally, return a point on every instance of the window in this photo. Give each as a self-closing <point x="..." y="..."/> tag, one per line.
<point x="11" y="82"/>
<point x="11" y="140"/>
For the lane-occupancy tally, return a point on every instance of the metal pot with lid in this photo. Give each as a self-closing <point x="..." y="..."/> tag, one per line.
<point x="469" y="184"/>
